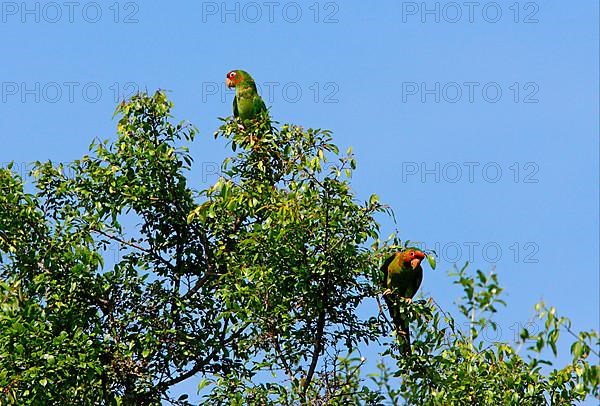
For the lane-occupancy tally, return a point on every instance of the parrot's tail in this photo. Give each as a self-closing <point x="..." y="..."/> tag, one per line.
<point x="403" y="335"/>
<point x="402" y="327"/>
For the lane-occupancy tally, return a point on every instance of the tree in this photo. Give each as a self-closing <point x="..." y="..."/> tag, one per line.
<point x="251" y="287"/>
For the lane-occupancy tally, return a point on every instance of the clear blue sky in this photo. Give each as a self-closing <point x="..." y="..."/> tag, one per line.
<point x="479" y="126"/>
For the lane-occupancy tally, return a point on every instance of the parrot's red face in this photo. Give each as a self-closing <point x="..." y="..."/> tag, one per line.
<point x="232" y="79"/>
<point x="412" y="257"/>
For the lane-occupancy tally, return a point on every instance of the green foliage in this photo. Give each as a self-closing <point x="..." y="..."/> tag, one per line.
<point x="251" y="287"/>
<point x="449" y="367"/>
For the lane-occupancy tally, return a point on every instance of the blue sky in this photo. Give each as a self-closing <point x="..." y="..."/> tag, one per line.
<point x="479" y="126"/>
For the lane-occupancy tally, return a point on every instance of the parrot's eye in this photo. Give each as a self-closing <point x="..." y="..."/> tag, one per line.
<point x="412" y="253"/>
<point x="231" y="75"/>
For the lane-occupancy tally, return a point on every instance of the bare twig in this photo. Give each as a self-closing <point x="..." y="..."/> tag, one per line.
<point x="133" y="245"/>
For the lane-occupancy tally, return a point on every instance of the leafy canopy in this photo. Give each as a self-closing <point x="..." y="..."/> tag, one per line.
<point x="259" y="288"/>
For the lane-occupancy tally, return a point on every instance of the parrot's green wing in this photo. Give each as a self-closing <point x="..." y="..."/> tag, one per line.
<point x="259" y="105"/>
<point x="384" y="269"/>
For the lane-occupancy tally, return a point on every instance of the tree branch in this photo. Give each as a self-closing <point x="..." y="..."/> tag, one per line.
<point x="200" y="364"/>
<point x="316" y="352"/>
<point x="133" y="245"/>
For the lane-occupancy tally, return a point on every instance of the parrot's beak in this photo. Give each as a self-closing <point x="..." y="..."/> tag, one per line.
<point x="230" y="83"/>
<point x="415" y="263"/>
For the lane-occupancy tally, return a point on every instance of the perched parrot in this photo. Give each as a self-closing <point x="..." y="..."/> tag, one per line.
<point x="402" y="276"/>
<point x="247" y="104"/>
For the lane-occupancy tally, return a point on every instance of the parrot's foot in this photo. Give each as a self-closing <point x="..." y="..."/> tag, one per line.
<point x="387" y="292"/>
<point x="407" y="300"/>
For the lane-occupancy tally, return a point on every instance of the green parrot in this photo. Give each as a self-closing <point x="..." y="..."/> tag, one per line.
<point x="402" y="276"/>
<point x="247" y="104"/>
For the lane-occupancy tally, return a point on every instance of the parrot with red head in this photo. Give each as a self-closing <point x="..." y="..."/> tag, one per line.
<point x="247" y="103"/>
<point x="402" y="277"/>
